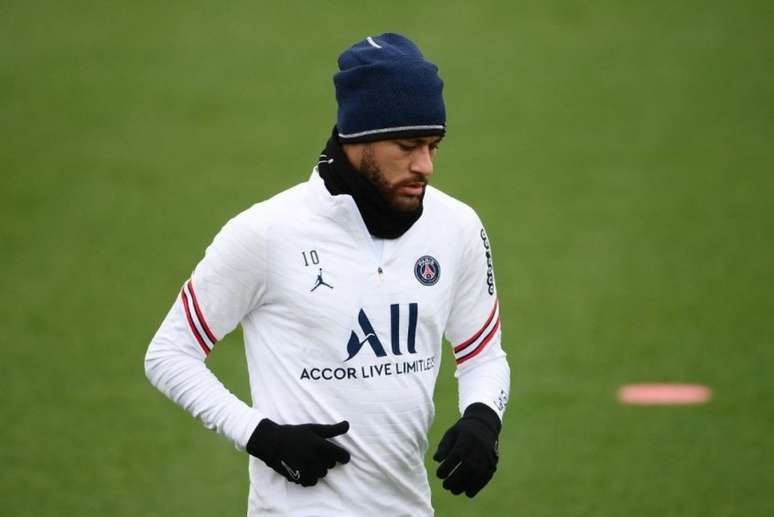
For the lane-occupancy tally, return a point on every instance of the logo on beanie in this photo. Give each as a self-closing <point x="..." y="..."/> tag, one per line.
<point x="427" y="270"/>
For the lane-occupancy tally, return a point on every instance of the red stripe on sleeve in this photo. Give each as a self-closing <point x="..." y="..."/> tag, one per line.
<point x="480" y="347"/>
<point x="193" y="327"/>
<point x="199" y="314"/>
<point x="480" y="331"/>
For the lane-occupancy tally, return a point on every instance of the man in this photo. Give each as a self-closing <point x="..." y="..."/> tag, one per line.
<point x="345" y="286"/>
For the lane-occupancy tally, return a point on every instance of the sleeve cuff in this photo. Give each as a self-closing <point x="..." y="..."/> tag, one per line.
<point x="484" y="413"/>
<point x="249" y="424"/>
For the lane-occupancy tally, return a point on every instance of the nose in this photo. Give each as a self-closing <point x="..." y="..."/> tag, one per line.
<point x="422" y="161"/>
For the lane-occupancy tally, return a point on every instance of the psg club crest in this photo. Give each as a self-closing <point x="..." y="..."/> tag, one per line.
<point x="427" y="270"/>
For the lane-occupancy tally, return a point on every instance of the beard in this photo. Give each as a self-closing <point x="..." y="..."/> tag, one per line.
<point x="391" y="193"/>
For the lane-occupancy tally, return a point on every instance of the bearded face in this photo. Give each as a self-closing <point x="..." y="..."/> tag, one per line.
<point x="403" y="195"/>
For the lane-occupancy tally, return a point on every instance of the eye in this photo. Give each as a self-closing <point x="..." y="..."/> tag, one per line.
<point x="405" y="147"/>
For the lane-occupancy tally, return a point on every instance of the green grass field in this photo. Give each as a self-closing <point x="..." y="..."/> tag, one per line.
<point x="620" y="153"/>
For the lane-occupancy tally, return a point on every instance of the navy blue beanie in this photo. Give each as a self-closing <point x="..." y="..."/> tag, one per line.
<point x="386" y="89"/>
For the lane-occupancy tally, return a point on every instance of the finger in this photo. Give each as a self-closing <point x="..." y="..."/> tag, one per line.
<point x="308" y="481"/>
<point x="458" y="480"/>
<point x="479" y="481"/>
<point x="289" y="478"/>
<point x="445" y="446"/>
<point x="312" y="475"/>
<point x="329" y="431"/>
<point x="449" y="464"/>
<point x="332" y="452"/>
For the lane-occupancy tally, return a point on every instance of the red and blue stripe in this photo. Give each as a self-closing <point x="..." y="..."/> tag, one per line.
<point x="473" y="346"/>
<point x="193" y="313"/>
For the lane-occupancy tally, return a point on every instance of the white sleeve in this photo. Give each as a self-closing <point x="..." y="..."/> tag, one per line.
<point x="226" y="285"/>
<point x="474" y="328"/>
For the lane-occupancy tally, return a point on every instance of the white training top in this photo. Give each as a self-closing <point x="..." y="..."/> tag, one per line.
<point x="338" y="326"/>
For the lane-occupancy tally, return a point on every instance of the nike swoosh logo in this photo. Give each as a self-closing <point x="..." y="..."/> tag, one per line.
<point x="295" y="474"/>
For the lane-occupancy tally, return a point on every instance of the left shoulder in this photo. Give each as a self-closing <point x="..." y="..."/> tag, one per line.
<point x="444" y="208"/>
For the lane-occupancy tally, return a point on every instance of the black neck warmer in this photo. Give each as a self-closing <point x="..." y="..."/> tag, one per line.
<point x="341" y="177"/>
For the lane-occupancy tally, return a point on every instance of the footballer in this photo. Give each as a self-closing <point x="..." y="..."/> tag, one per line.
<point x="345" y="286"/>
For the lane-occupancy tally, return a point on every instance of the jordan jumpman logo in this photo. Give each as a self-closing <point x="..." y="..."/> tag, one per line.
<point x="320" y="282"/>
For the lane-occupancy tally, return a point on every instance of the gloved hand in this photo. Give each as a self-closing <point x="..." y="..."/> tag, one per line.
<point x="301" y="453"/>
<point x="469" y="451"/>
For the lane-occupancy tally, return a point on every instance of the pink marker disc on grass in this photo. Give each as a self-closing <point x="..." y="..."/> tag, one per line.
<point x="664" y="394"/>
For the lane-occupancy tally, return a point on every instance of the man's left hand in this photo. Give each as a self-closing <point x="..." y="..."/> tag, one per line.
<point x="468" y="451"/>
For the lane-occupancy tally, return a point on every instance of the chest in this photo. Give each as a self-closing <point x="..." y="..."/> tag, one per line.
<point x="339" y="284"/>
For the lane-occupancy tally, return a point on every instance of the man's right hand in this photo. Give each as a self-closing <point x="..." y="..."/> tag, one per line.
<point x="300" y="453"/>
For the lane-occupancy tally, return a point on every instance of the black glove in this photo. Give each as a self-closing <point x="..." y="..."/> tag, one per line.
<point x="301" y="453"/>
<point x="469" y="451"/>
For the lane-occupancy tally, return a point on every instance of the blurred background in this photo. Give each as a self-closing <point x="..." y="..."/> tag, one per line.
<point x="621" y="155"/>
